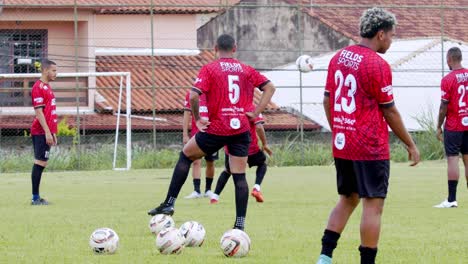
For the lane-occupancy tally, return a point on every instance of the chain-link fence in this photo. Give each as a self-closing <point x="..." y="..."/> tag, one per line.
<point x="163" y="44"/>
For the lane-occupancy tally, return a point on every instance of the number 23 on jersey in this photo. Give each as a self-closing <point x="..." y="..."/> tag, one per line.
<point x="345" y="103"/>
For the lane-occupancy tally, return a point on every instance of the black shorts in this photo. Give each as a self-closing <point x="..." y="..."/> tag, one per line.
<point x="455" y="142"/>
<point x="41" y="149"/>
<point x="256" y="159"/>
<point x="238" y="145"/>
<point x="212" y="157"/>
<point x="369" y="179"/>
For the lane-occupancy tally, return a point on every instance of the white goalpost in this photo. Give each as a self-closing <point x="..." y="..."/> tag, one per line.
<point x="128" y="112"/>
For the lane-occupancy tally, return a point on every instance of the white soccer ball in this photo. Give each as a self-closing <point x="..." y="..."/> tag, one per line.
<point x="104" y="241"/>
<point x="194" y="233"/>
<point x="160" y="222"/>
<point x="170" y="241"/>
<point x="304" y="63"/>
<point x="235" y="243"/>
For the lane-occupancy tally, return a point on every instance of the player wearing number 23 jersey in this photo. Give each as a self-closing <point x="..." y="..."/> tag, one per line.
<point x="359" y="107"/>
<point x="359" y="82"/>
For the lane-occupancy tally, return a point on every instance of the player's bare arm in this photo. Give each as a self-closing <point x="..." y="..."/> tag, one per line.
<point x="393" y="118"/>
<point x="268" y="91"/>
<point x="326" y="106"/>
<point x="40" y="116"/>
<point x="441" y="119"/>
<point x="202" y="124"/>
<point x="185" y="125"/>
<point x="261" y="134"/>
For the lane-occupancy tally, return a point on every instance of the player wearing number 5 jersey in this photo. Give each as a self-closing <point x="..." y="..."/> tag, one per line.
<point x="454" y="110"/>
<point x="359" y="104"/>
<point x="228" y="86"/>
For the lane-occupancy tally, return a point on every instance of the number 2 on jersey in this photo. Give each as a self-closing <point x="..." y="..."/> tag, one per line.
<point x="462" y="91"/>
<point x="234" y="89"/>
<point x="341" y="102"/>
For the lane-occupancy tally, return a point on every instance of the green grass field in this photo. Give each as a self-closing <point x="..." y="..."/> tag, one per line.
<point x="287" y="228"/>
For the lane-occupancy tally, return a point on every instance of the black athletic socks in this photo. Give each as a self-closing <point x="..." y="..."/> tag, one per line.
<point x="452" y="191"/>
<point x="242" y="198"/>
<point x="179" y="176"/>
<point x="261" y="171"/>
<point x="368" y="255"/>
<point x="36" y="175"/>
<point x="329" y="242"/>
<point x="196" y="185"/>
<point x="222" y="180"/>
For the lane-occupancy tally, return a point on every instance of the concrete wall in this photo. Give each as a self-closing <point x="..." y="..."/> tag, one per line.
<point x="269" y="37"/>
<point x="134" y="31"/>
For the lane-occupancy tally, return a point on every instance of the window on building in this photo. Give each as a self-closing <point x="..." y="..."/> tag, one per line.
<point x="19" y="50"/>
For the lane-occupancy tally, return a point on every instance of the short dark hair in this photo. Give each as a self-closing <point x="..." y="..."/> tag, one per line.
<point x="455" y="53"/>
<point x="375" y="19"/>
<point x="45" y="63"/>
<point x="225" y="42"/>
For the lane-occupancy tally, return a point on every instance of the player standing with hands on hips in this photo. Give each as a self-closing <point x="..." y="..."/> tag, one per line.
<point x="359" y="104"/>
<point x="229" y="87"/>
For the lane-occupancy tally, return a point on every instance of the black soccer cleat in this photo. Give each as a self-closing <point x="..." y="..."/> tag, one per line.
<point x="40" y="201"/>
<point x="164" y="208"/>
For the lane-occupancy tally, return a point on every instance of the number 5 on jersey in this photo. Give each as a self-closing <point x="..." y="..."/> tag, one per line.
<point x="341" y="102"/>
<point x="234" y="89"/>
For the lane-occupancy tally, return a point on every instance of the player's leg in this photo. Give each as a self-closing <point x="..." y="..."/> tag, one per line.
<point x="453" y="142"/>
<point x="465" y="163"/>
<point x="347" y="189"/>
<point x="41" y="156"/>
<point x="222" y="180"/>
<point x="196" y="174"/>
<point x="209" y="173"/>
<point x="372" y="209"/>
<point x="464" y="151"/>
<point x="238" y="152"/>
<point x="191" y="151"/>
<point x="372" y="182"/>
<point x="258" y="159"/>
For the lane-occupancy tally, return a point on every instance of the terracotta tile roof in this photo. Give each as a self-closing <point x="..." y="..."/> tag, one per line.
<point x="278" y="120"/>
<point x="414" y="20"/>
<point x="173" y="76"/>
<point x="132" y="6"/>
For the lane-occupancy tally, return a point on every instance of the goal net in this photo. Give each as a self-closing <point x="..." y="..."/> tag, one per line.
<point x="10" y="82"/>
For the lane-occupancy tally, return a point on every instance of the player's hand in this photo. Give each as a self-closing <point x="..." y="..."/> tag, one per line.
<point x="202" y="124"/>
<point x="267" y="149"/>
<point x="185" y="139"/>
<point x="55" y="139"/>
<point x="251" y="115"/>
<point x="413" y="155"/>
<point x="439" y="134"/>
<point x="49" y="139"/>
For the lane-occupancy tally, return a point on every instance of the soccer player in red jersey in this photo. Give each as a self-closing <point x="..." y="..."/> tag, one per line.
<point x="454" y="110"/>
<point x="256" y="158"/>
<point x="229" y="87"/>
<point x="196" y="165"/>
<point x="44" y="126"/>
<point x="359" y="104"/>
